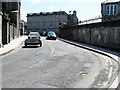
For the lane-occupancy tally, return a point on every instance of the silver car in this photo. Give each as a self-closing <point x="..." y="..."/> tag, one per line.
<point x="34" y="38"/>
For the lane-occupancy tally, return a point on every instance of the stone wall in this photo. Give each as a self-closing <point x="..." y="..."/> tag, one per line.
<point x="103" y="34"/>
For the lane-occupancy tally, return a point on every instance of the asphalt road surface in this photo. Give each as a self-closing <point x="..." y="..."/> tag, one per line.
<point x="57" y="65"/>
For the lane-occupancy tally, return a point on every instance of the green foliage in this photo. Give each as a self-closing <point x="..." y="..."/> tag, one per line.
<point x="6" y="17"/>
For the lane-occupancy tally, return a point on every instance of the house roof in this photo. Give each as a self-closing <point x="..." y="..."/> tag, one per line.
<point x="47" y="13"/>
<point x="111" y="1"/>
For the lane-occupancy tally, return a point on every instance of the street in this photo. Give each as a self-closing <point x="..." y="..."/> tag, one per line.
<point x="57" y="65"/>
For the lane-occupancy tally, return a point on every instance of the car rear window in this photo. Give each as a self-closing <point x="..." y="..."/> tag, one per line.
<point x="33" y="34"/>
<point x="51" y="33"/>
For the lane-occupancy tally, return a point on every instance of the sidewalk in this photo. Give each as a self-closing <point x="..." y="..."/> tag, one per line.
<point x="15" y="43"/>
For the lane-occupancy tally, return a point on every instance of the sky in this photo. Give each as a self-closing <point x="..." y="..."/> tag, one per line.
<point x="86" y="9"/>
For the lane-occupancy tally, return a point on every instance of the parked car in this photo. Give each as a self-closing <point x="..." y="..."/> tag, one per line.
<point x="34" y="38"/>
<point x="51" y="35"/>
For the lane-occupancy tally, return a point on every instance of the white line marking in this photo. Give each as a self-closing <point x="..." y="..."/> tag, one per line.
<point x="51" y="49"/>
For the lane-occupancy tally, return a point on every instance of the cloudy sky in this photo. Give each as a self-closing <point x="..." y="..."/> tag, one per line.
<point x="86" y="9"/>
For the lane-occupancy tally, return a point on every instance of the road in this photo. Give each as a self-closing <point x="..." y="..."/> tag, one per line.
<point x="57" y="65"/>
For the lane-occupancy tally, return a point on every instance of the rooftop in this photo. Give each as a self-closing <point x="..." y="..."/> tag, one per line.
<point x="111" y="1"/>
<point x="47" y="13"/>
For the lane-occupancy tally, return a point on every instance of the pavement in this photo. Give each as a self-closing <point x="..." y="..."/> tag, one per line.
<point x="16" y="43"/>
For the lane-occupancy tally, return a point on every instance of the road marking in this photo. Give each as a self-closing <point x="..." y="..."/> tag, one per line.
<point x="108" y="60"/>
<point x="111" y="68"/>
<point x="51" y="49"/>
<point x="110" y="72"/>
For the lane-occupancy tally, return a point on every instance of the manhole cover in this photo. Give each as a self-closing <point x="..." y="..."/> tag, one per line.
<point x="82" y="73"/>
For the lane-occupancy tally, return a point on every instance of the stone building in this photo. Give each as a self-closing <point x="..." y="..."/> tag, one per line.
<point x="13" y="8"/>
<point x="72" y="19"/>
<point x="1" y="24"/>
<point x="110" y="10"/>
<point x="22" y="27"/>
<point x="10" y="29"/>
<point x="48" y="21"/>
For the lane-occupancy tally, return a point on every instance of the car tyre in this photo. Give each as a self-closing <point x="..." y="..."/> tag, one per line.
<point x="40" y="44"/>
<point x="25" y="44"/>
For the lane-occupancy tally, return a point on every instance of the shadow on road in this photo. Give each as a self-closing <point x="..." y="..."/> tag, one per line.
<point x="30" y="46"/>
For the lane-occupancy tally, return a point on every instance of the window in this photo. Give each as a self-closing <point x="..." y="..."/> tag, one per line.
<point x="115" y="9"/>
<point x="107" y="10"/>
<point x="111" y="9"/>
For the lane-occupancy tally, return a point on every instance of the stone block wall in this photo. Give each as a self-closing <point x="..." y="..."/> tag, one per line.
<point x="103" y="34"/>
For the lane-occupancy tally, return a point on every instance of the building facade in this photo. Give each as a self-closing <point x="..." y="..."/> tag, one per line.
<point x="13" y="8"/>
<point x="22" y="27"/>
<point x="46" y="21"/>
<point x="1" y="24"/>
<point x="10" y="27"/>
<point x="72" y="19"/>
<point x="110" y="10"/>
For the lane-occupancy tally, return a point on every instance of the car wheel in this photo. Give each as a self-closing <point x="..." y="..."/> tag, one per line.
<point x="40" y="44"/>
<point x="25" y="44"/>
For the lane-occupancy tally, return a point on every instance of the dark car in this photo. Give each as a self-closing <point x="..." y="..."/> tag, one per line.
<point x="51" y="35"/>
<point x="44" y="33"/>
<point x="34" y="38"/>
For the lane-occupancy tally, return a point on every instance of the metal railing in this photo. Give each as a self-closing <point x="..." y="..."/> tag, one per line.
<point x="92" y="20"/>
<point x="100" y="19"/>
